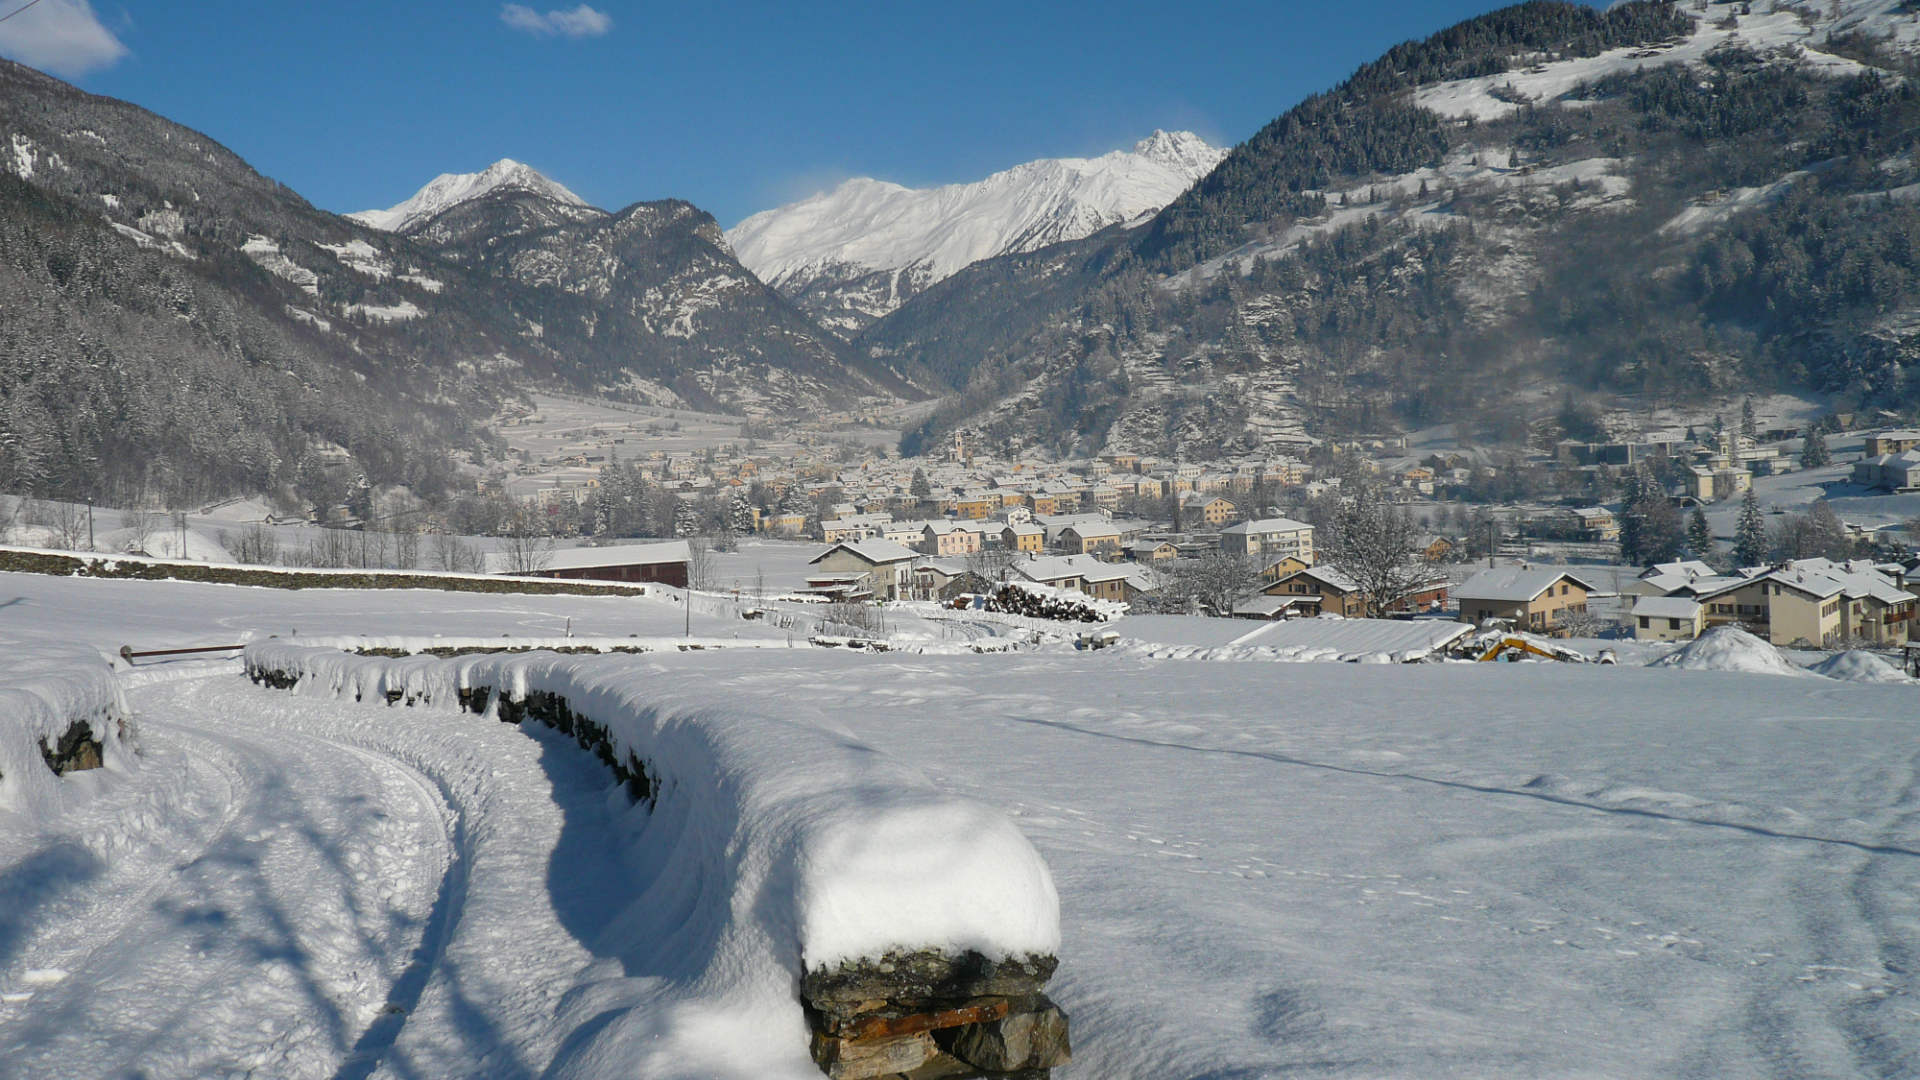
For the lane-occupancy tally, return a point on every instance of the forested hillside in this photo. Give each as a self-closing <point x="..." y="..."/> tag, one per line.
<point x="175" y="327"/>
<point x="179" y="327"/>
<point x="1657" y="199"/>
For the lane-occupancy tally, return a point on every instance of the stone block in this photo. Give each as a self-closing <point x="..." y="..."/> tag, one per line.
<point x="925" y="976"/>
<point x="860" y="1059"/>
<point x="879" y="1020"/>
<point x="1031" y="1036"/>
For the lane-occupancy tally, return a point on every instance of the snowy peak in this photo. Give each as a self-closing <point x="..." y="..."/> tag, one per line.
<point x="916" y="236"/>
<point x="1181" y="150"/>
<point x="451" y="189"/>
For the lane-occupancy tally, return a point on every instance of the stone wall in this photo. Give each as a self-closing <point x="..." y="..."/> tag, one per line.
<point x="929" y="1015"/>
<point x="923" y="1015"/>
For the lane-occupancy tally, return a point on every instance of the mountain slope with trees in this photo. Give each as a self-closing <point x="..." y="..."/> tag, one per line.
<point x="179" y="328"/>
<point x="1656" y="199"/>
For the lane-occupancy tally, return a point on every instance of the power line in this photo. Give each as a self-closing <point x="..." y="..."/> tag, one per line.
<point x="18" y="10"/>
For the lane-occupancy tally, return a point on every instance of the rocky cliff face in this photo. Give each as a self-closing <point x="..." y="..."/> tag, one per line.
<point x="651" y="302"/>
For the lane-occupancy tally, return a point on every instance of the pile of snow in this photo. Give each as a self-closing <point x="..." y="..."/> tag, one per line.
<point x="46" y="689"/>
<point x="1860" y="667"/>
<point x="775" y="847"/>
<point x="1729" y="648"/>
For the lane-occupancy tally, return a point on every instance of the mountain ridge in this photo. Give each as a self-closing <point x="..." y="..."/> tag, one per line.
<point x="851" y="255"/>
<point x="1538" y="205"/>
<point x="448" y="190"/>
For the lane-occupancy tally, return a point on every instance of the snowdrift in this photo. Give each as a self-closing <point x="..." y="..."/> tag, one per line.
<point x="1729" y="648"/>
<point x="780" y="855"/>
<point x="1860" y="667"/>
<point x="61" y="711"/>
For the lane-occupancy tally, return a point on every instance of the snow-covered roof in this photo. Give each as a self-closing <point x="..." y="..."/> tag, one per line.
<point x="1360" y="635"/>
<point x="1667" y="607"/>
<point x="877" y="551"/>
<point x="1085" y="567"/>
<point x="1266" y="525"/>
<point x="1515" y="584"/>
<point x="1686" y="568"/>
<point x="1265" y="606"/>
<point x="587" y="558"/>
<point x="1338" y="636"/>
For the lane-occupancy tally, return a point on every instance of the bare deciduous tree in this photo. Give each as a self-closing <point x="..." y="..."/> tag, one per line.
<point x="255" y="545"/>
<point x="69" y="524"/>
<point x="528" y="549"/>
<point x="455" y="556"/>
<point x="10" y="511"/>
<point x="406" y="549"/>
<point x="992" y="564"/>
<point x="699" y="562"/>
<point x="1373" y="543"/>
<point x="139" y="527"/>
<point x="1214" y="582"/>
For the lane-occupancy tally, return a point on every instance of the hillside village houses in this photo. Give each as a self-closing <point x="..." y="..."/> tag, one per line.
<point x="974" y="511"/>
<point x="1269" y="538"/>
<point x="1540" y="600"/>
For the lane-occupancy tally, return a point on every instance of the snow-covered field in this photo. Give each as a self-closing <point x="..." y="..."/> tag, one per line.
<point x="1264" y="869"/>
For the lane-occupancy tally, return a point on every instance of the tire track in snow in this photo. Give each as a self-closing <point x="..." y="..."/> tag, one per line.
<point x="260" y="947"/>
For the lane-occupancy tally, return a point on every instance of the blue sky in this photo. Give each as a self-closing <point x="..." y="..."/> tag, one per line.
<point x="734" y="106"/>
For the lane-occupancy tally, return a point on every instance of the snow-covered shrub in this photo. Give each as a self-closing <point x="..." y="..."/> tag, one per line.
<point x="61" y="711"/>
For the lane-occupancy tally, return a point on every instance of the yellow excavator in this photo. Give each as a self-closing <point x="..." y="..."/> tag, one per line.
<point x="1520" y="646"/>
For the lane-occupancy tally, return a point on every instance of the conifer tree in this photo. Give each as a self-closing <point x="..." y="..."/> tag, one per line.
<point x="1750" y="534"/>
<point x="1814" y="452"/>
<point x="1699" y="537"/>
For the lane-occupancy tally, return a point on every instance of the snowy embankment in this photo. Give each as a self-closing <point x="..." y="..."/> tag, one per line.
<point x="142" y="567"/>
<point x="445" y="645"/>
<point x="784" y="859"/>
<point x="61" y="710"/>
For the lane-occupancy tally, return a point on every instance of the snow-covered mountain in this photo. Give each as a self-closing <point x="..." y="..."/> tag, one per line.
<point x="1547" y="203"/>
<point x="853" y="254"/>
<point x="451" y="189"/>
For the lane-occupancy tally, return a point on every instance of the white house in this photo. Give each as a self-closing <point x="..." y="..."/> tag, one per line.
<point x="1668" y="618"/>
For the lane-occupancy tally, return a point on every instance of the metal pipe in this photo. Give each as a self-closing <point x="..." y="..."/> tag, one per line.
<point x="127" y="653"/>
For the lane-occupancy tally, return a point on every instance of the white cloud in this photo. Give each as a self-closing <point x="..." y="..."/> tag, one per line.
<point x="580" y="22"/>
<point x="61" y="36"/>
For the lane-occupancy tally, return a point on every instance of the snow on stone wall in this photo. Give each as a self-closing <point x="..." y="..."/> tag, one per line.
<point x="61" y="711"/>
<point x="784" y="853"/>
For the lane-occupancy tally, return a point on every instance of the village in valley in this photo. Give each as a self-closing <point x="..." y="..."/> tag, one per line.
<point x="877" y="547"/>
<point x="1656" y="537"/>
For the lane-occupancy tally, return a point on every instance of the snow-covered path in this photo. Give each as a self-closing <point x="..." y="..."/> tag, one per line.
<point x="292" y="888"/>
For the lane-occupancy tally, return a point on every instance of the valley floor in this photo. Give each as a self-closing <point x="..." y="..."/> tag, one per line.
<point x="1265" y="869"/>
